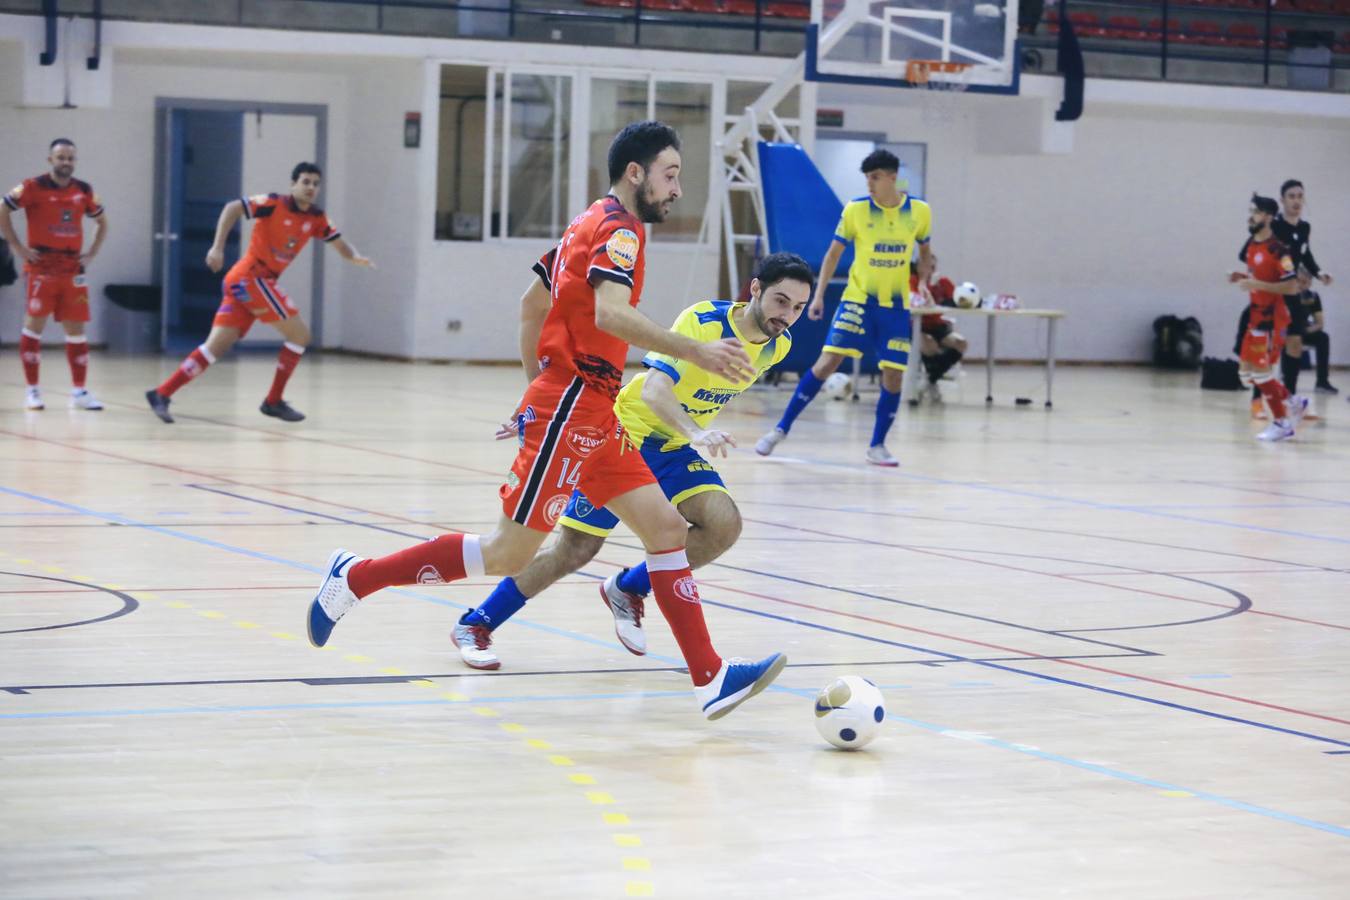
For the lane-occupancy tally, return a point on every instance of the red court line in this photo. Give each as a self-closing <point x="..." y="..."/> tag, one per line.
<point x="1292" y="570"/>
<point x="1012" y="568"/>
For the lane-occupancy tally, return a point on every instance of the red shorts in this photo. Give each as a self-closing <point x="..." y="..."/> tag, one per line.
<point x="249" y="299"/>
<point x="66" y="295"/>
<point x="569" y="438"/>
<point x="1261" y="349"/>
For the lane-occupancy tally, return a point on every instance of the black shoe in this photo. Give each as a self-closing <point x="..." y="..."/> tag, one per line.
<point x="281" y="410"/>
<point x="1325" y="387"/>
<point x="159" y="404"/>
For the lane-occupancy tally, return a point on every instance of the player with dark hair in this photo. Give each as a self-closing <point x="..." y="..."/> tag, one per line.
<point x="883" y="228"/>
<point x="1295" y="233"/>
<point x="54" y="259"/>
<point x="667" y="415"/>
<point x="282" y="226"/>
<point x="582" y="307"/>
<point x="1270" y="276"/>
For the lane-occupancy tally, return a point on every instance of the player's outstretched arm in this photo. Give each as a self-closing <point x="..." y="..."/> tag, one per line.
<point x="534" y="306"/>
<point x="348" y="252"/>
<point x="1270" y="287"/>
<point x="614" y="315"/>
<point x="658" y="392"/>
<point x="215" y="257"/>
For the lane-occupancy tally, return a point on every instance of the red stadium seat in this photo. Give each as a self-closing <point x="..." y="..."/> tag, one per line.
<point x="1087" y="25"/>
<point x="704" y="6"/>
<point x="740" y="7"/>
<point x="1244" y="34"/>
<point x="788" y="9"/>
<point x="1125" y="28"/>
<point x="1155" y="28"/>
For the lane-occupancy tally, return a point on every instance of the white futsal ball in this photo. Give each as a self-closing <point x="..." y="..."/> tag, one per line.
<point x="849" y="712"/>
<point x="837" y="386"/>
<point x="967" y="296"/>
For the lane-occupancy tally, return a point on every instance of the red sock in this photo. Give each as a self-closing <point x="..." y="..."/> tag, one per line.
<point x="30" y="354"/>
<point x="676" y="593"/>
<point x="194" y="365"/>
<point x="77" y="354"/>
<point x="287" y="360"/>
<point x="1275" y="394"/>
<point x="440" y="560"/>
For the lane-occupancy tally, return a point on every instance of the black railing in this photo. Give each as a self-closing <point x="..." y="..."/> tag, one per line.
<point x="1150" y="37"/>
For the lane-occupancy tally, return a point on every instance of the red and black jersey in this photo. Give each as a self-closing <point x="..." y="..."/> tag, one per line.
<point x="280" y="231"/>
<point x="55" y="221"/>
<point x="1268" y="260"/>
<point x="605" y="243"/>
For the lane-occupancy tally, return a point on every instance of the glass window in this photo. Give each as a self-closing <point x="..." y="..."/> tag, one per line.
<point x="539" y="110"/>
<point x="687" y="107"/>
<point x="614" y="104"/>
<point x="460" y="166"/>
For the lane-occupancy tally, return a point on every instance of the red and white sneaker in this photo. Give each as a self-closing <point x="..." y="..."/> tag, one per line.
<point x="628" y="611"/>
<point x="475" y="646"/>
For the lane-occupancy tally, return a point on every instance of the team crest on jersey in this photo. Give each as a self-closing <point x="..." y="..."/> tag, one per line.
<point x="622" y="248"/>
<point x="583" y="507"/>
<point x="17" y="192"/>
<point x="512" y="480"/>
<point x="67" y="215"/>
<point x="1287" y="264"/>
<point x="585" y="440"/>
<point x="306" y="227"/>
<point x="554" y="508"/>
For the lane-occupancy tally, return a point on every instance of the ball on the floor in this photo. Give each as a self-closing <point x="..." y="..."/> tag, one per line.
<point x="837" y="386"/>
<point x="849" y="712"/>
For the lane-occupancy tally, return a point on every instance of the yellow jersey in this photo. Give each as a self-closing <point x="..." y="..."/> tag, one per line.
<point x="883" y="243"/>
<point x="701" y="393"/>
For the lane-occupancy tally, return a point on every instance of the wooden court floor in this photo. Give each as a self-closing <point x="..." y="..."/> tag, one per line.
<point x="1114" y="641"/>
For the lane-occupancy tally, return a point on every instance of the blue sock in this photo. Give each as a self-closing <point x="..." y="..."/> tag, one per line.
<point x="504" y="602"/>
<point x="635" y="581"/>
<point x="887" y="404"/>
<point x="806" y="391"/>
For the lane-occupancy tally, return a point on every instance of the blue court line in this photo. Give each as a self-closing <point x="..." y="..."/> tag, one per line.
<point x="612" y="645"/>
<point x="1118" y="774"/>
<point x="1092" y="504"/>
<point x="1023" y="749"/>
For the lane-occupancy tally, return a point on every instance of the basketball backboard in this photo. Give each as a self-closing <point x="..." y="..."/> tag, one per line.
<point x="879" y="41"/>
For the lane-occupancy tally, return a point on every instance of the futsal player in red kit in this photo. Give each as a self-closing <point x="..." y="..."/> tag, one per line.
<point x="1270" y="275"/>
<point x="586" y="292"/>
<point x="282" y="226"/>
<point x="54" y="260"/>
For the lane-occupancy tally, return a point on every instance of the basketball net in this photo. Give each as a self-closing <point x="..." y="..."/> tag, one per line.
<point x="938" y="95"/>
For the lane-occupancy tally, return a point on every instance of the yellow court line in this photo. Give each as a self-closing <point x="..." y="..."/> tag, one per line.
<point x="616" y="819"/>
<point x="600" y="798"/>
<point x="637" y="863"/>
<point x="560" y="760"/>
<point x="640" y="889"/>
<point x="627" y="840"/>
<point x="513" y="727"/>
<point x="580" y="778"/>
<point x="537" y="744"/>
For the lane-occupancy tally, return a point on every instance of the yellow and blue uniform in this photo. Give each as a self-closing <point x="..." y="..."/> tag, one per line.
<point x="678" y="467"/>
<point x="876" y="299"/>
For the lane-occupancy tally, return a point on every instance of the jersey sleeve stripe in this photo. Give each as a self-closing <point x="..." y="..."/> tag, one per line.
<point x="542" y="271"/>
<point x="332" y="237"/>
<point x="841" y="239"/>
<point x="10" y="202"/>
<point x="95" y="212"/>
<point x="925" y="240"/>
<point x="614" y="275"/>
<point x="662" y="366"/>
<point x="248" y="213"/>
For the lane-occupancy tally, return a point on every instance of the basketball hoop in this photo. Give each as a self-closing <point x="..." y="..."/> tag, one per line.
<point x="939" y="94"/>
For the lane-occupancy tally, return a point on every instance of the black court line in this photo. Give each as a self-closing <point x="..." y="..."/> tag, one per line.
<point x="340" y="681"/>
<point x="308" y="512"/>
<point x="129" y="603"/>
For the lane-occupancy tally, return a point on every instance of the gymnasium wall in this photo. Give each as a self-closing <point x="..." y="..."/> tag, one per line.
<point x="1144" y="217"/>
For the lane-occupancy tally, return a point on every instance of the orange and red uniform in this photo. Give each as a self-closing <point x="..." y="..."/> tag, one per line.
<point x="56" y="230"/>
<point x="569" y="435"/>
<point x="1270" y="261"/>
<point x="281" y="229"/>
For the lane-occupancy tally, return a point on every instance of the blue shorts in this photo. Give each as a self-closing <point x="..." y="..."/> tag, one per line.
<point x="887" y="327"/>
<point x="681" y="472"/>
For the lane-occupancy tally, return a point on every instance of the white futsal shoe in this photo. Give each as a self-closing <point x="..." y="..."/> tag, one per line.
<point x="82" y="399"/>
<point x="1298" y="408"/>
<point x="628" y="611"/>
<point x="764" y="446"/>
<point x="475" y="646"/>
<point x="334" y="598"/>
<point x="1279" y="430"/>
<point x="32" y="399"/>
<point x="878" y="455"/>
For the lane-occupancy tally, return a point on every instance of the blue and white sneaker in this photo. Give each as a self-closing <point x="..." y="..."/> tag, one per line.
<point x="737" y="681"/>
<point x="334" y="597"/>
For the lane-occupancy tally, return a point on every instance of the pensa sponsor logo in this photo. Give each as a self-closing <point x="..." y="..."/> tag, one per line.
<point x="687" y="589"/>
<point x="585" y="440"/>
